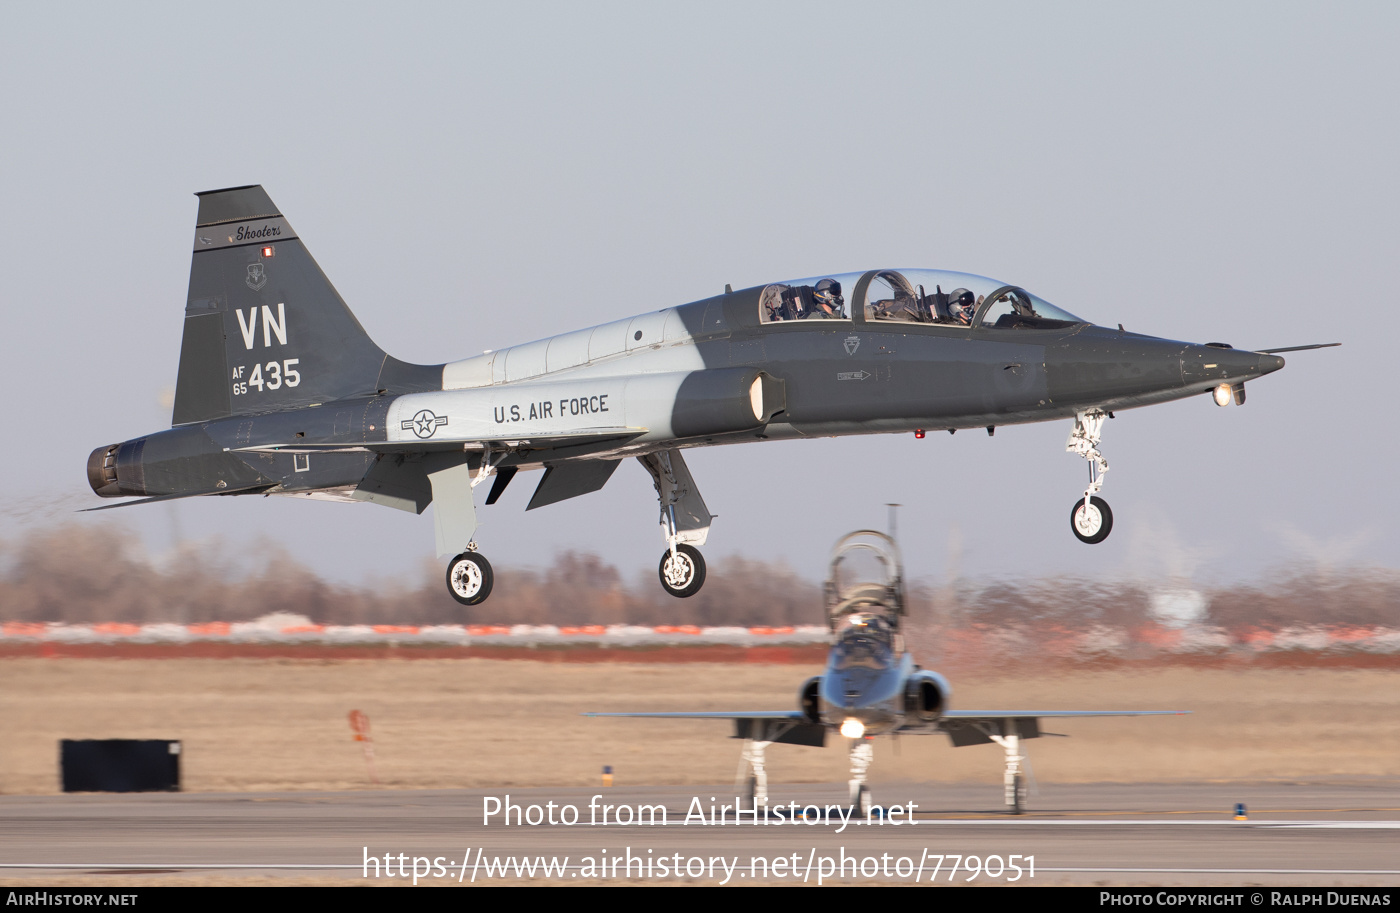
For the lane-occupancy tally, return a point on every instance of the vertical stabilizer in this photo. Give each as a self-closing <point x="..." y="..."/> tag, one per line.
<point x="264" y="328"/>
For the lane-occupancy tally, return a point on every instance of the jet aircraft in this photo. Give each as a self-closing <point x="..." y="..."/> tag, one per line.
<point x="872" y="686"/>
<point x="280" y="390"/>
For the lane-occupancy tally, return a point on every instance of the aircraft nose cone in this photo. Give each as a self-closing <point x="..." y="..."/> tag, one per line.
<point x="1216" y="365"/>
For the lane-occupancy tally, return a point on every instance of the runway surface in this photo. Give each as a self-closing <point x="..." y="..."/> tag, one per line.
<point x="1124" y="834"/>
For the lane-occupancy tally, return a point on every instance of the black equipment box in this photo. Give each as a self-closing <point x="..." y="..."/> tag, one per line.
<point x="119" y="765"/>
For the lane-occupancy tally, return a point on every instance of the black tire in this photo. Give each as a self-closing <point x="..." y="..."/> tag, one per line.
<point x="687" y="577"/>
<point x="1018" y="795"/>
<point x="1085" y="528"/>
<point x="469" y="578"/>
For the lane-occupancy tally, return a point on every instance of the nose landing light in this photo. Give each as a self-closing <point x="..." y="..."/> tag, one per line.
<point x="852" y="728"/>
<point x="1224" y="394"/>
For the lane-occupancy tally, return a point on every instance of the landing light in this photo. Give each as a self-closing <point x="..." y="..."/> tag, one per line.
<point x="1222" y="395"/>
<point x="852" y="728"/>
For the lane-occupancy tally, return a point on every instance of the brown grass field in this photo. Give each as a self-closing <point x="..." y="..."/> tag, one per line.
<point x="279" y="724"/>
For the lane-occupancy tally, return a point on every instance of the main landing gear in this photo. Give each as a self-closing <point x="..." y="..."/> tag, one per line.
<point x="469" y="577"/>
<point x="1014" y="779"/>
<point x="1090" y="518"/>
<point x="685" y="523"/>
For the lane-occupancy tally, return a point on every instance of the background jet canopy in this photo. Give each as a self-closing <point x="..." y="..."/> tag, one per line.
<point x="865" y="642"/>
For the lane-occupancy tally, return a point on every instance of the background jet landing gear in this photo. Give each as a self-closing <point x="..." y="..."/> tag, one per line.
<point x="469" y="578"/>
<point x="756" y="783"/>
<point x="682" y="572"/>
<point x="1014" y="779"/>
<point x="1090" y="519"/>
<point x="861" y="754"/>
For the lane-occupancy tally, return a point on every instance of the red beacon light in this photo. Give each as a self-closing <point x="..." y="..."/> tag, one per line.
<point x="267" y="251"/>
<point x="919" y="433"/>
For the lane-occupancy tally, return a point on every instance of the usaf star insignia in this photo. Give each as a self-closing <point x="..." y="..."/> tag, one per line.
<point x="424" y="423"/>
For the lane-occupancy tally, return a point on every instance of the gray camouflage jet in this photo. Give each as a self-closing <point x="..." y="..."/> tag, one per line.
<point x="872" y="686"/>
<point x="281" y="391"/>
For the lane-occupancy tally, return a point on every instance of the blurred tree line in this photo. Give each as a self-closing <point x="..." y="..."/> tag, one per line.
<point x="112" y="579"/>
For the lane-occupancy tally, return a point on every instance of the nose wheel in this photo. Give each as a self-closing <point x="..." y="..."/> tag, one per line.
<point x="469" y="578"/>
<point x="1091" y="520"/>
<point x="682" y="571"/>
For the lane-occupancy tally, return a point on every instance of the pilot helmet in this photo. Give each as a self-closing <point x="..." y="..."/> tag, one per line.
<point x="829" y="292"/>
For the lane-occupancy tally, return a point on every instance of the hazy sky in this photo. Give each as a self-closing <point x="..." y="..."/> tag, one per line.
<point x="476" y="176"/>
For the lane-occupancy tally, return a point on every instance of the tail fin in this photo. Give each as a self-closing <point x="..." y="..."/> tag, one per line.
<point x="264" y="328"/>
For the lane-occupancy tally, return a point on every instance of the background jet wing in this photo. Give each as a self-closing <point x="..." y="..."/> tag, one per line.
<point x="1017" y="714"/>
<point x="786" y="726"/>
<point x="977" y="727"/>
<point x="717" y="715"/>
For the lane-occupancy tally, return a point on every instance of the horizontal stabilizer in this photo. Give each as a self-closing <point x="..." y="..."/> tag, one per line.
<point x="249" y="489"/>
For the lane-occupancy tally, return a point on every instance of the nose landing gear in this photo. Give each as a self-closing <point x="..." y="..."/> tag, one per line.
<point x="861" y="754"/>
<point x="1090" y="519"/>
<point x="685" y="522"/>
<point x="682" y="571"/>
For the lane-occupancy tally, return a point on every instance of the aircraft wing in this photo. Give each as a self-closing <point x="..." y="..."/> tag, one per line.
<point x="581" y="438"/>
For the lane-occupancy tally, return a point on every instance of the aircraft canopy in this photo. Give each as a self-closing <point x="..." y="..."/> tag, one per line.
<point x="927" y="296"/>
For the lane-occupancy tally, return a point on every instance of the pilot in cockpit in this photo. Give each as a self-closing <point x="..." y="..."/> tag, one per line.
<point x="961" y="306"/>
<point x="828" y="298"/>
<point x="864" y="640"/>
